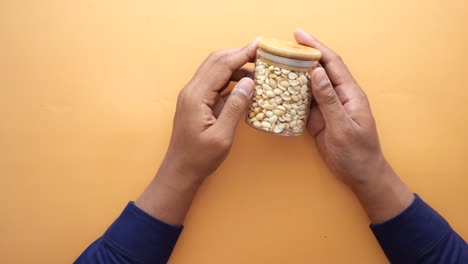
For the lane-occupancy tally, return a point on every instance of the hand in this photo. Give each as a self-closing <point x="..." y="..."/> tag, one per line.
<point x="203" y="132"/>
<point x="204" y="123"/>
<point x="346" y="135"/>
<point x="341" y="122"/>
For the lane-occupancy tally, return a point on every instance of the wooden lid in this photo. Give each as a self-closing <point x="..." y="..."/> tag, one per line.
<point x="289" y="49"/>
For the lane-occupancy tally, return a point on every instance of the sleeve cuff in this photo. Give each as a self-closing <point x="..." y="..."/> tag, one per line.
<point x="412" y="233"/>
<point x="142" y="237"/>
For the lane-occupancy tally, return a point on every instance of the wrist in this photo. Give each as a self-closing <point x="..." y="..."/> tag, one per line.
<point x="169" y="195"/>
<point x="176" y="175"/>
<point x="382" y="193"/>
<point x="372" y="173"/>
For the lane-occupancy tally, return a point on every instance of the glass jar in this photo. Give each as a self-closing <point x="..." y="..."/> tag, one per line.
<point x="282" y="96"/>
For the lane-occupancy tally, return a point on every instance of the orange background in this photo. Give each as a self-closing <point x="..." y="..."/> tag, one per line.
<point x="88" y="90"/>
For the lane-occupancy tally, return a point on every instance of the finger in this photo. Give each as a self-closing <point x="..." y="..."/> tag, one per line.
<point x="236" y="76"/>
<point x="235" y="107"/>
<point x="219" y="67"/>
<point x="346" y="87"/>
<point x="331" y="61"/>
<point x="241" y="73"/>
<point x="219" y="106"/>
<point x="316" y="123"/>
<point x="330" y="106"/>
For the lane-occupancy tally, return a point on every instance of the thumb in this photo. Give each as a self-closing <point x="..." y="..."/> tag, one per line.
<point x="235" y="106"/>
<point x="326" y="98"/>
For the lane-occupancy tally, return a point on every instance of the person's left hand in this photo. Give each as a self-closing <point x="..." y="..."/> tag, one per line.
<point x="204" y="123"/>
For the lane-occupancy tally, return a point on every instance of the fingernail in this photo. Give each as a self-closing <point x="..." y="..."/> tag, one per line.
<point x="305" y="34"/>
<point x="256" y="40"/>
<point x="244" y="87"/>
<point x="320" y="78"/>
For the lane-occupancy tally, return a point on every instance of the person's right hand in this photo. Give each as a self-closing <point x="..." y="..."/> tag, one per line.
<point x="345" y="132"/>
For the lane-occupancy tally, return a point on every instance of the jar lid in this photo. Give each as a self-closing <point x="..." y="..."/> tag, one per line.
<point x="289" y="49"/>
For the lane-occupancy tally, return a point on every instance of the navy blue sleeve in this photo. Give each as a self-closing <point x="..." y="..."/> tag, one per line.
<point x="420" y="235"/>
<point x="135" y="237"/>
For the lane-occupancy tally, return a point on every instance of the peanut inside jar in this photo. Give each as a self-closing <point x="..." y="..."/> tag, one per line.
<point x="282" y="94"/>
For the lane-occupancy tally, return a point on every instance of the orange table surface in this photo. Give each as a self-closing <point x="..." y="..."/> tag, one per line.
<point x="88" y="91"/>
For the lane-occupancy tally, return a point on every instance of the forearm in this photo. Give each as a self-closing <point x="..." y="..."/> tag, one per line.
<point x="407" y="229"/>
<point x="169" y="195"/>
<point x="420" y="235"/>
<point x="134" y="237"/>
<point x="382" y="194"/>
<point x="148" y="229"/>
